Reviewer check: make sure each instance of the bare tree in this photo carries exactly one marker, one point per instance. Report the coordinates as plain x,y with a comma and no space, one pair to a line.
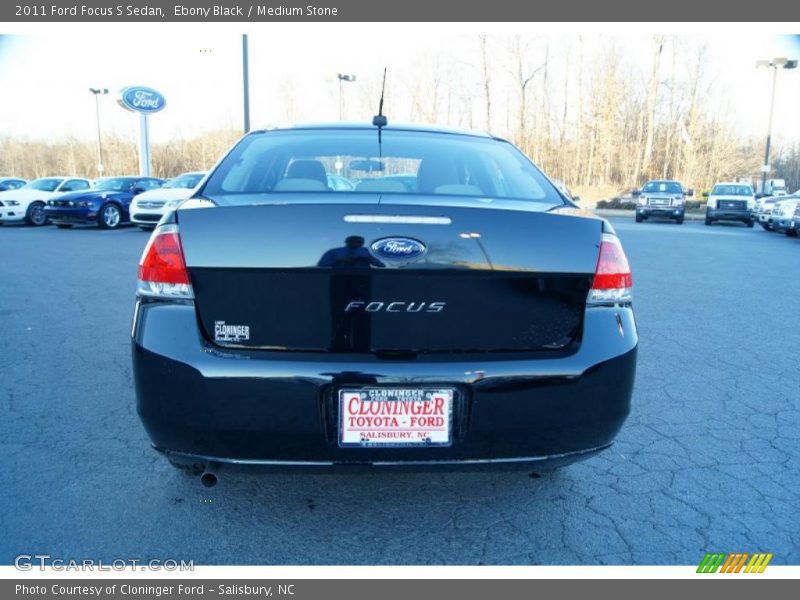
487,79
652,91
524,74
617,123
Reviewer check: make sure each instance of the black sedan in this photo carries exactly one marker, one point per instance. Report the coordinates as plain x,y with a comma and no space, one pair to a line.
106,204
480,320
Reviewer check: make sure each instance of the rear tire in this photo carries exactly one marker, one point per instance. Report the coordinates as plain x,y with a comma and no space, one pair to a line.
750,223
110,216
791,232
639,218
35,214
708,220
679,221
64,225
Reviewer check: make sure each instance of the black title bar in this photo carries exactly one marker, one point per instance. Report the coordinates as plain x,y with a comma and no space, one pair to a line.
406,10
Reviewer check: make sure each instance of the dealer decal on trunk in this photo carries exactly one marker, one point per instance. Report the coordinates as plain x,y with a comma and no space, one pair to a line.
231,333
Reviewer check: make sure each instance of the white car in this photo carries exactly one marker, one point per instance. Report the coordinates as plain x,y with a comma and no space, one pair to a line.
148,207
27,203
11,183
730,201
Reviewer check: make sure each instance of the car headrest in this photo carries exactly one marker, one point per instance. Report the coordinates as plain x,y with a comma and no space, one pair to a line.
435,172
307,169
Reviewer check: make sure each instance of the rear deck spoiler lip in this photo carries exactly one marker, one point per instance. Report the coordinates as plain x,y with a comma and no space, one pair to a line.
441,201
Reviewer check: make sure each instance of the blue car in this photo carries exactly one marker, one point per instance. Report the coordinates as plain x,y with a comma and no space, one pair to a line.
106,203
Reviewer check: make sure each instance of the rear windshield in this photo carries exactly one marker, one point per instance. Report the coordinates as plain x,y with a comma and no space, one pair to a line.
353,161
663,187
732,190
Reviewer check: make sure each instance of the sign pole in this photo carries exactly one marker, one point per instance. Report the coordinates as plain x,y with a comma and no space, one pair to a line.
246,83
145,101
144,145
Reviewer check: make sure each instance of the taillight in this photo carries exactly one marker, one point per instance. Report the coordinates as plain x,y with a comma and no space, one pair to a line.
162,270
613,281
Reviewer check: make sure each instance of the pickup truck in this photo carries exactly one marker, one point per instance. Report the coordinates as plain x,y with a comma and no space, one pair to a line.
729,201
661,198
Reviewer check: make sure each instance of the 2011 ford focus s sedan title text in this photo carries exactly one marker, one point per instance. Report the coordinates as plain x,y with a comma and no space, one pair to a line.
452,309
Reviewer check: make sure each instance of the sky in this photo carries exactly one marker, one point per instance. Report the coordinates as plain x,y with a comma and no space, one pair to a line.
45,73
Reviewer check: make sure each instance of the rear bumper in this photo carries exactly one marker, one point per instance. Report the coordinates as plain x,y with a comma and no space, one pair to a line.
716,214
201,404
524,463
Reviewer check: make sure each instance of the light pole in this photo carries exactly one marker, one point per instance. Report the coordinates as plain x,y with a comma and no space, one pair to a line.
774,64
97,92
474,235
342,78
246,82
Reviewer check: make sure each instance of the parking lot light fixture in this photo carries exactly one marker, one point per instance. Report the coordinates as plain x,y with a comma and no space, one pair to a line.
780,62
97,92
342,77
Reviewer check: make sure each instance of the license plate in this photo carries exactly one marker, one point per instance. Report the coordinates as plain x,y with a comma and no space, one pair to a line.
395,417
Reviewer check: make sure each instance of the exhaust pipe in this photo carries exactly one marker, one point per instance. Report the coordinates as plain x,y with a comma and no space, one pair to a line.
209,477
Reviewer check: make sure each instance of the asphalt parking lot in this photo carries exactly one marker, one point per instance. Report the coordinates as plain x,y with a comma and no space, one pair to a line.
708,461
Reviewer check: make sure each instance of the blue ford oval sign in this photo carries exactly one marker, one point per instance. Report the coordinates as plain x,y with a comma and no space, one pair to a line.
141,99
398,248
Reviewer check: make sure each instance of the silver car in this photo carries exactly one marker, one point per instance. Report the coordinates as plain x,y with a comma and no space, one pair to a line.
783,213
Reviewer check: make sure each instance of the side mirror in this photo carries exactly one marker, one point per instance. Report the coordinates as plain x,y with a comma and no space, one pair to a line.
705,194
690,192
137,190
636,193
576,198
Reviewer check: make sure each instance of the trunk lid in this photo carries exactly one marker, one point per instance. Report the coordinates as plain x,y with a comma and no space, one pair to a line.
283,277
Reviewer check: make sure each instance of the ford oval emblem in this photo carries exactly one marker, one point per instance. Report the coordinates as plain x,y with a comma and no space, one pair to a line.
141,99
398,248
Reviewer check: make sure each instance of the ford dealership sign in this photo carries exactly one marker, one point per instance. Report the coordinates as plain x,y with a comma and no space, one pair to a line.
141,99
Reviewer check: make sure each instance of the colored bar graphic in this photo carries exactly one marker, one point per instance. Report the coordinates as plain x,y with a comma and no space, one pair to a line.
710,562
734,562
758,563
740,564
